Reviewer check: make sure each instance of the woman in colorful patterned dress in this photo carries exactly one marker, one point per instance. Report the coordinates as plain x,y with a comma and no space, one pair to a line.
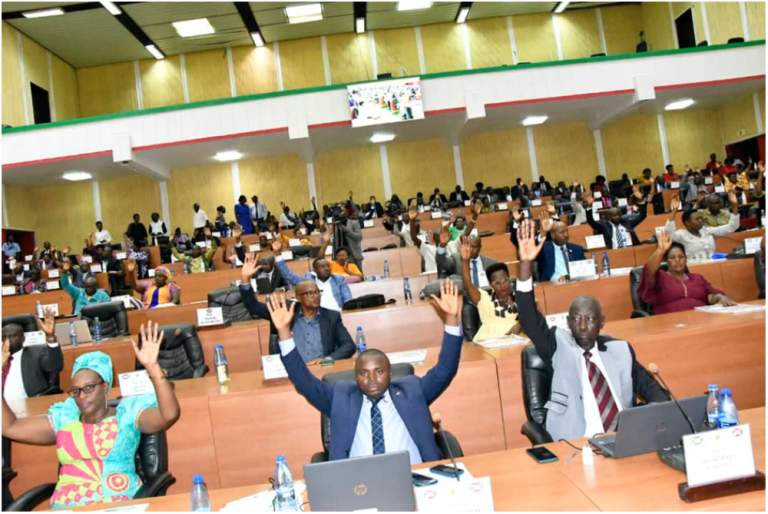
96,443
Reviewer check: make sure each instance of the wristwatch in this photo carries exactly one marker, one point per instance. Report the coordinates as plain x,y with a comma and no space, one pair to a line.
164,376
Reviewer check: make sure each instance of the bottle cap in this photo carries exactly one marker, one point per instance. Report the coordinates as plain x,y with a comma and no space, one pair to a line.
198,479
359,328
219,346
280,458
713,387
405,278
725,392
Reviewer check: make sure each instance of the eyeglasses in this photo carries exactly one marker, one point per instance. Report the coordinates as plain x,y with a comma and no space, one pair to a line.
87,389
500,283
312,293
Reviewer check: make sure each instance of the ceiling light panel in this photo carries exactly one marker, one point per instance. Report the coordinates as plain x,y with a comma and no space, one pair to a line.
191,28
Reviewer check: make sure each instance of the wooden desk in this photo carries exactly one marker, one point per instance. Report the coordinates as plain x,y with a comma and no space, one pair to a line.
392,287
25,304
729,243
612,293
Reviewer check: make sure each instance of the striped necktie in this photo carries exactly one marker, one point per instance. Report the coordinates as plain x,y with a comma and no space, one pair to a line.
475,275
377,428
606,404
620,238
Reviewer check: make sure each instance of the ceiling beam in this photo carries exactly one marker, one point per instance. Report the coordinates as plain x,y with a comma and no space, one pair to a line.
249,20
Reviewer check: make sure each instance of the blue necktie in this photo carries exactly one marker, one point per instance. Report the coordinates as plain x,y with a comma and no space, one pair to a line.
377,428
475,276
620,237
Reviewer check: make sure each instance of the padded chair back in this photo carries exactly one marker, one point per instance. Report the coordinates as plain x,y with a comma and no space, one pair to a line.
398,371
112,317
231,303
152,456
470,319
634,282
26,321
735,40
536,385
180,352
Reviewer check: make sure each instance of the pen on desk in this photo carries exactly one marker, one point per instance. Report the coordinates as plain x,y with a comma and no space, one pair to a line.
576,452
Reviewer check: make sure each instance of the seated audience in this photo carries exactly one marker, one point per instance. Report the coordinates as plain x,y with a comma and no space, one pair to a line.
479,192
373,209
557,254
449,263
646,178
88,294
459,195
157,228
136,230
402,228
697,239
341,265
180,241
520,192
90,435
544,186
427,248
670,175
617,232
561,192
490,195
287,218
677,289
692,190
34,283
485,206
437,200
198,262
161,292
395,205
713,215
713,163
47,261
114,269
102,237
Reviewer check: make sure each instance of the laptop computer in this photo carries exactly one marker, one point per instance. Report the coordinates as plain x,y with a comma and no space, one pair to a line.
380,482
651,427
83,332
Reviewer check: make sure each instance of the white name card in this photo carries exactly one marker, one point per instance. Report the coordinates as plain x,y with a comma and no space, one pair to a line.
426,208
559,320
121,255
96,268
28,258
527,214
752,245
597,205
535,203
719,188
201,244
52,286
708,181
436,215
582,269
54,273
411,356
328,250
151,273
86,258
210,316
272,366
329,220
174,259
622,202
294,242
288,256
467,203
503,206
718,455
255,247
11,263
126,299
674,185
135,383
303,231
53,306
216,234
25,267
9,290
473,495
509,198
368,224
34,338
597,195
595,242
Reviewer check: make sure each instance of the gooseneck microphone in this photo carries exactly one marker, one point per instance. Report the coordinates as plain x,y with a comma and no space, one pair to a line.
437,420
654,370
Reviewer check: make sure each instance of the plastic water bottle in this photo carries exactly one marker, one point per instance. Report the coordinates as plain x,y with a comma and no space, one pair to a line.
386,270
199,499
606,265
72,334
360,340
96,330
220,362
728,415
285,500
231,282
173,270
594,261
233,258
713,407
39,310
407,291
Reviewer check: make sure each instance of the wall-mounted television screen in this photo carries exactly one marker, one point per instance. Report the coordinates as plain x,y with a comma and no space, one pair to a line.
389,101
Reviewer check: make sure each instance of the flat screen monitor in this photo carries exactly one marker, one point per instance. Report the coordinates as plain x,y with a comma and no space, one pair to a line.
389,101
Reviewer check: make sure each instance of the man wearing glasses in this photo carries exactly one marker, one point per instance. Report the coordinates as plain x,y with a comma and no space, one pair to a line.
318,332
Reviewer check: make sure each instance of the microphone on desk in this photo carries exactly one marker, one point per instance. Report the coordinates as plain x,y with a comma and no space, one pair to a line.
654,370
437,420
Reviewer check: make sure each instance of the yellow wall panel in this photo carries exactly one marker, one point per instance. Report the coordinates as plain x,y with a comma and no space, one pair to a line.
496,158
337,172
124,196
535,38
396,52
724,21
267,179
421,166
207,75
161,82
254,70
679,8
565,151
630,145
489,42
761,97
65,90
35,69
657,26
579,34
107,89
698,23
756,20
691,137
349,57
209,185
621,25
20,206
13,103
737,120
64,214
301,61
443,45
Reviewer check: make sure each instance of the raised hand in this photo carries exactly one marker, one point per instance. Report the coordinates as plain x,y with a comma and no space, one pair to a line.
761,167
732,198
546,222
445,236
67,265
277,243
282,316
477,209
250,268
66,250
150,346
465,248
207,232
664,241
131,266
528,250
517,214
48,324
237,233
449,303
674,203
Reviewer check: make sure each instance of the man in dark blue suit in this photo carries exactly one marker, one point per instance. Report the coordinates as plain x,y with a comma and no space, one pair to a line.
377,415
557,254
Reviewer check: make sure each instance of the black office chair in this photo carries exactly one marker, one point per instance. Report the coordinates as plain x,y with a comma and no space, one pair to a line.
151,465
113,318
735,40
470,320
703,43
181,353
537,382
598,55
760,274
26,321
8,473
447,444
231,303
640,308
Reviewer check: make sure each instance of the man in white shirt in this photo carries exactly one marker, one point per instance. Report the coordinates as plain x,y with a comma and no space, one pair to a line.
259,212
157,227
200,217
102,237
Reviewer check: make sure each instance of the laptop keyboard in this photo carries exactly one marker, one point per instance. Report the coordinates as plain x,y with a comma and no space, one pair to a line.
611,447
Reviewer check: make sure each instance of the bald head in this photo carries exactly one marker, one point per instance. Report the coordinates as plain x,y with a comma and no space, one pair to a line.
559,233
14,334
308,295
268,263
90,285
585,320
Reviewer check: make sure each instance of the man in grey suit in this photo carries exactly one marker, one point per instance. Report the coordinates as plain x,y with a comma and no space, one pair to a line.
354,234
449,263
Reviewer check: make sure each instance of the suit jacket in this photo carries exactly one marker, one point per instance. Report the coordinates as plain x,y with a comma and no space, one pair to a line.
546,188
38,364
463,197
277,280
412,396
517,191
355,239
606,227
546,258
337,343
448,263
441,197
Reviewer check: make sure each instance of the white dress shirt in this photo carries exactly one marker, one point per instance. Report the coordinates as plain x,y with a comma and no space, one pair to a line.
103,237
327,300
591,411
615,237
14,383
200,218
285,221
561,267
158,228
482,280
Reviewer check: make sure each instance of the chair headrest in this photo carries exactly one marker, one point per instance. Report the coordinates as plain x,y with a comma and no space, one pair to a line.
105,310
171,340
26,321
230,295
398,371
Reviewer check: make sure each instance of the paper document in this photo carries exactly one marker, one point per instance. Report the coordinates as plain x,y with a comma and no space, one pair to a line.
503,342
741,308
412,356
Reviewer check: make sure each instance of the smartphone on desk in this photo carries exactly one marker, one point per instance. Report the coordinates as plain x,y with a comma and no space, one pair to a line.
447,471
422,480
541,455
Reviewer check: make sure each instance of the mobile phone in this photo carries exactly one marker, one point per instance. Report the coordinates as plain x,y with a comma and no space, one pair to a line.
447,471
541,455
421,480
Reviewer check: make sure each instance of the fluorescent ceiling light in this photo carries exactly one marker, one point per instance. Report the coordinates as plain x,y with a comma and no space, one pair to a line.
44,13
76,175
463,13
191,28
413,5
360,25
157,54
382,138
304,13
231,155
257,39
680,104
534,120
112,8
561,7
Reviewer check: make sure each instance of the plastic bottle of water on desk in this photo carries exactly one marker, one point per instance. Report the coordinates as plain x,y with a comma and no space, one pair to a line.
728,415
407,291
606,265
713,407
285,500
173,270
199,501
72,334
220,362
594,261
386,269
360,340
39,309
96,330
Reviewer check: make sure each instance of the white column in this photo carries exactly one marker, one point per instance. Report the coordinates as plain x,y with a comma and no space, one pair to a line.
512,43
457,166
278,68
231,68
184,87
52,98
703,7
374,59
600,155
5,209
96,200
467,50
672,21
137,78
758,113
558,42
235,167
601,30
326,61
532,154
311,181
663,139
24,87
420,49
164,205
744,24
385,171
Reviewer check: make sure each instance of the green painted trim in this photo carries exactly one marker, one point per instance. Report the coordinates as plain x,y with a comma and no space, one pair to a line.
276,94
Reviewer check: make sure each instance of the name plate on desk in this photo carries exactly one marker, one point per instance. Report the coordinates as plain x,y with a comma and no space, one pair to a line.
412,356
466,496
34,338
52,286
752,244
53,306
272,366
121,255
86,258
622,202
255,247
96,268
368,224
25,267
28,258
135,383
674,185
54,273
559,320
287,256
126,299
708,181
467,203
294,242
597,195
718,455
719,188
504,207
582,269
210,316
9,290
215,234
436,215
535,203
595,242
